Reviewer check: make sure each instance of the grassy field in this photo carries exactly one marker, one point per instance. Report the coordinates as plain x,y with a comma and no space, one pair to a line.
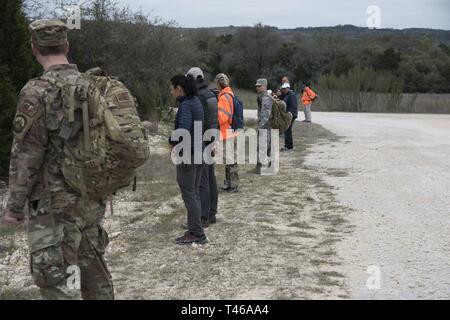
410,103
247,97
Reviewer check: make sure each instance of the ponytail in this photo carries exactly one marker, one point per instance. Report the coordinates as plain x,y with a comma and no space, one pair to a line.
188,84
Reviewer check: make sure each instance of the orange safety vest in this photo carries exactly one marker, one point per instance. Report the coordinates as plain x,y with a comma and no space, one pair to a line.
225,113
308,96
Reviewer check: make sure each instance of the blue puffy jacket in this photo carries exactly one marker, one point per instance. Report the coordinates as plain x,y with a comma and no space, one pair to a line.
190,110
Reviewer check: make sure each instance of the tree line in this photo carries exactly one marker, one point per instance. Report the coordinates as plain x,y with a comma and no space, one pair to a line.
144,52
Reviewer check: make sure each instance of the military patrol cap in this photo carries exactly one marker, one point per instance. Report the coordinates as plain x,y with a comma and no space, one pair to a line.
261,82
48,32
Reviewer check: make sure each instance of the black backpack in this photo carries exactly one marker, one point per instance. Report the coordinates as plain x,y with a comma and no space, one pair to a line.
204,100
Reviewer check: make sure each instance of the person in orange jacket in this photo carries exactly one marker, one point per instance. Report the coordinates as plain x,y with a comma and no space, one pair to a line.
308,97
225,117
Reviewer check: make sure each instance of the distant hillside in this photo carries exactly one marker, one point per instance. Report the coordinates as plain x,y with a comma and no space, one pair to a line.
346,30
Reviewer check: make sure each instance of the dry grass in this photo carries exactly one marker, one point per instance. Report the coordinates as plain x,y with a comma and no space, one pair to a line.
411,103
274,239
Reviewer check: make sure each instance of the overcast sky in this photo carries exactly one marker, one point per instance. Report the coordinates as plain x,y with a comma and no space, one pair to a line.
298,13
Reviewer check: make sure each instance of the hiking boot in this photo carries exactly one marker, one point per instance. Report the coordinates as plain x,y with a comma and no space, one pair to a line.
205,222
285,149
233,190
212,219
189,238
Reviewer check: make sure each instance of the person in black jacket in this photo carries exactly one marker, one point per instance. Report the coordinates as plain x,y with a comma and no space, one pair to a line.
290,98
189,171
208,185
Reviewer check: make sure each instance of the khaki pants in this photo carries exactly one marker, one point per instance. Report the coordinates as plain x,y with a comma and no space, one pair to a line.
307,111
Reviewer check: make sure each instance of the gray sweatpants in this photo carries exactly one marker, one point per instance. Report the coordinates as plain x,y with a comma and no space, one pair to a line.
307,111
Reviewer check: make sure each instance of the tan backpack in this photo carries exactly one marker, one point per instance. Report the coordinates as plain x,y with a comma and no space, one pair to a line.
280,118
104,139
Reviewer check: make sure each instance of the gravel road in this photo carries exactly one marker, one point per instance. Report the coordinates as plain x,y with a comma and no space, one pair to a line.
398,184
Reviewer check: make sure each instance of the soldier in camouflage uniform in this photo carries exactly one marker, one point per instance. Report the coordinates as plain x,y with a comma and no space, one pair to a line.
66,240
265,104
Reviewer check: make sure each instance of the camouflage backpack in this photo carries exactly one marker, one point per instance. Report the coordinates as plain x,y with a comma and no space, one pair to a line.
280,118
104,139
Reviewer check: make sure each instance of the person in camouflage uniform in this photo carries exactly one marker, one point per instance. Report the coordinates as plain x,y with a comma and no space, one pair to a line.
66,240
265,104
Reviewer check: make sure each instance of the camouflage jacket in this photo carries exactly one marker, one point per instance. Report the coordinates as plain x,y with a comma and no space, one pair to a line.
35,170
264,110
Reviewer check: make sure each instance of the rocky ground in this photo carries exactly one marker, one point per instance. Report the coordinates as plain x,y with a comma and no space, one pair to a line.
275,239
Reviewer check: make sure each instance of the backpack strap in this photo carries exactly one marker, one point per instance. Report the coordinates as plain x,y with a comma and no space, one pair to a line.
230,115
82,90
206,122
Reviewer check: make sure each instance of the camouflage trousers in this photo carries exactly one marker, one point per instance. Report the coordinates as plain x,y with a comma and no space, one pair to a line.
307,111
67,247
264,150
231,167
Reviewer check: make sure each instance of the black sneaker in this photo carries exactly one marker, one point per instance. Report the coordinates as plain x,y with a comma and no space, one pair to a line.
205,222
212,219
189,238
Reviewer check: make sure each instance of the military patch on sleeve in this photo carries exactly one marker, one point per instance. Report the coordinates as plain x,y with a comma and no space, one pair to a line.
28,110
20,122
26,115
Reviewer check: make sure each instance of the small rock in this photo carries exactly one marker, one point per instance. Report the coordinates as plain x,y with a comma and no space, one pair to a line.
114,235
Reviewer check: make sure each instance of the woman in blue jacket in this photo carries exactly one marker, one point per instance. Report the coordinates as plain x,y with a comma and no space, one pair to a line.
189,117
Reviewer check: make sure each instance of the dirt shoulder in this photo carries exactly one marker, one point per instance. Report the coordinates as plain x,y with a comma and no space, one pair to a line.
275,239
